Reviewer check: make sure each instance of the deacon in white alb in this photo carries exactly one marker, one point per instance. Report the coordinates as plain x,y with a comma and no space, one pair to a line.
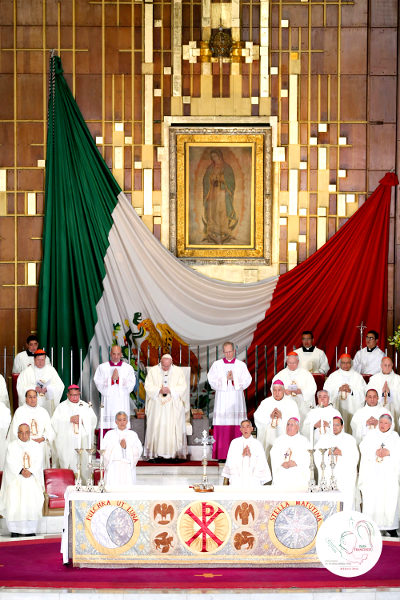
366,419
299,384
42,378
368,360
229,377
5,420
319,420
21,496
380,474
25,358
346,457
122,452
311,358
73,422
387,384
166,408
290,460
272,415
115,380
246,464
39,423
346,389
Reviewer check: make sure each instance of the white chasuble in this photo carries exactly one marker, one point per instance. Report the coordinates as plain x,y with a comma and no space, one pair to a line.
286,448
39,423
46,377
165,415
246,471
115,395
305,382
120,463
346,402
267,429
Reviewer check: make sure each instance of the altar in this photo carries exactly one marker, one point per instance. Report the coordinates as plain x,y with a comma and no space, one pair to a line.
158,526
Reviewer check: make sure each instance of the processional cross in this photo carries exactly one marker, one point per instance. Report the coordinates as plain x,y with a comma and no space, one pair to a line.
361,327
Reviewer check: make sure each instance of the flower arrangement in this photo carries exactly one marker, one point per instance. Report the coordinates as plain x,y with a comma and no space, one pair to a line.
395,340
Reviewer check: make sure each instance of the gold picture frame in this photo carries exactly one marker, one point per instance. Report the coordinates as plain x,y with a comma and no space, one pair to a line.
220,196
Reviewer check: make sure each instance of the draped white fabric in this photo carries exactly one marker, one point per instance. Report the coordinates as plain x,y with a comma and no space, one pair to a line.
142,276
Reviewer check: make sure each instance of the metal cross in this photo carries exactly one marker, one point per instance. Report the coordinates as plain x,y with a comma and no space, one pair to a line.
361,327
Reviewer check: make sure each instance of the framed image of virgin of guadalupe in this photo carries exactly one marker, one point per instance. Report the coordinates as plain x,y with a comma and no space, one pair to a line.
220,195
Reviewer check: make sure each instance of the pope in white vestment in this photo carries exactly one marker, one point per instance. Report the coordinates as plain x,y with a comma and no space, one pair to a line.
346,389
368,360
122,452
311,358
320,419
387,384
246,464
272,415
166,407
5,420
290,460
42,378
21,496
380,474
229,377
346,457
366,419
299,384
115,380
39,422
73,422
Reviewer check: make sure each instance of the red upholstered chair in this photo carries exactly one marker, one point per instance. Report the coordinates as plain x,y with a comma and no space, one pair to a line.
319,380
56,482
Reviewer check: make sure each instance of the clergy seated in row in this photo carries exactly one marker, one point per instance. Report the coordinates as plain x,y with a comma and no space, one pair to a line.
387,384
246,464
21,495
73,423
344,449
39,423
368,360
165,387
229,377
272,415
122,452
346,388
290,460
5,420
379,475
311,358
319,420
44,379
25,358
366,418
115,380
299,384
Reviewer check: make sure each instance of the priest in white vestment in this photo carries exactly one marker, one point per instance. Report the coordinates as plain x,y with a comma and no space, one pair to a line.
4,399
115,380
366,419
25,358
246,465
368,360
347,389
39,422
290,460
122,452
346,456
73,422
229,377
320,419
299,384
42,378
5,420
311,358
21,496
166,406
387,384
380,475
272,415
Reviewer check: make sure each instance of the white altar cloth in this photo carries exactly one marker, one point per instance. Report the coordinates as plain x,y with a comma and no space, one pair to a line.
159,526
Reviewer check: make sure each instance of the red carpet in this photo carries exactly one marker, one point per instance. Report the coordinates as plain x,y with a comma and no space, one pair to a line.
38,564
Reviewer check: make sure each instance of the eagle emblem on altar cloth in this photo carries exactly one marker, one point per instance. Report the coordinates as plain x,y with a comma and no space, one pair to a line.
163,513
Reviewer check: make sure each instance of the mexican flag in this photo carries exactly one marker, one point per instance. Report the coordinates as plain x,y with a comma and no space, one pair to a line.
105,278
